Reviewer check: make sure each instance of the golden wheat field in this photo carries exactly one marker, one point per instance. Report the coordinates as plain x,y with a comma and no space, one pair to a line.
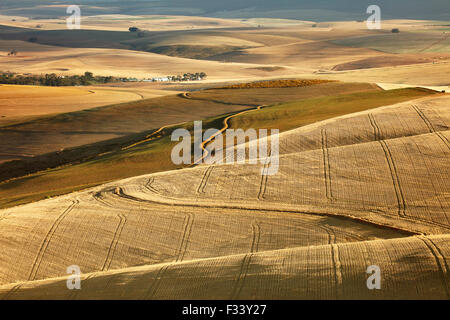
20,103
369,188
349,200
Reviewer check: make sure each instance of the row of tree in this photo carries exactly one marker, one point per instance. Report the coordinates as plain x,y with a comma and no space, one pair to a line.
54,80
188,77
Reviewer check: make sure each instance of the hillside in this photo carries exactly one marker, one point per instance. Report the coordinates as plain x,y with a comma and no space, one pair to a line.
342,200
322,10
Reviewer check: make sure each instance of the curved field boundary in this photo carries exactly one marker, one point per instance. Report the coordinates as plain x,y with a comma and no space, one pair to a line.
44,245
114,242
148,138
226,125
187,95
331,233
275,207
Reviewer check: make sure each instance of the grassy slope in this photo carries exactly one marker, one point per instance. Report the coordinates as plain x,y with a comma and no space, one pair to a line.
154,156
299,113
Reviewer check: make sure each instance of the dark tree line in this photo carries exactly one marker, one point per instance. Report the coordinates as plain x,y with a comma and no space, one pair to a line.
188,77
55,80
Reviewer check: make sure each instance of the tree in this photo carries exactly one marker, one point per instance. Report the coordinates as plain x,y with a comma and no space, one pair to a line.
89,75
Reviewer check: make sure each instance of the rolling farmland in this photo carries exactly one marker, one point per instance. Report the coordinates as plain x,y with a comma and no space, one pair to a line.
356,180
342,200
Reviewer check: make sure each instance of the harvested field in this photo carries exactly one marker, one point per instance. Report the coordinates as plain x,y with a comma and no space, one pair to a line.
379,198
86,166
77,128
298,273
23,103
357,178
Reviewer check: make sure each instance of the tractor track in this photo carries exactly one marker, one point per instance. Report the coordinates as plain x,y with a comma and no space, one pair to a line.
153,289
187,230
337,270
327,166
113,246
245,265
225,207
45,243
430,126
440,262
401,203
205,178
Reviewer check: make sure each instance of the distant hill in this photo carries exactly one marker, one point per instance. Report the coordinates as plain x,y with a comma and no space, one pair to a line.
317,10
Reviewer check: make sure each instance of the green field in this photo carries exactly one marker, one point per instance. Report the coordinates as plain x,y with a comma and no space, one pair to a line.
154,155
296,114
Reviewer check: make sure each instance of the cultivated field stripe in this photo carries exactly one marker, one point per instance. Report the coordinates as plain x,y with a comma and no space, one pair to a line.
44,245
151,292
114,242
376,128
440,262
330,232
337,270
186,203
245,265
431,127
392,167
326,165
395,179
187,230
263,182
